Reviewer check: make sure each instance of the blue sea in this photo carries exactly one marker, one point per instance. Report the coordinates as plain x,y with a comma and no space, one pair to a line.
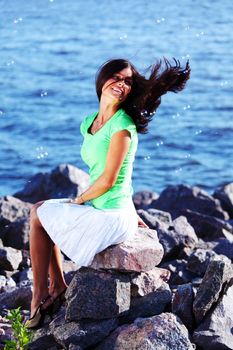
50,52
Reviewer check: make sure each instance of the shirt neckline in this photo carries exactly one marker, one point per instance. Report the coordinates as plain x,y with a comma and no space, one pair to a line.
93,118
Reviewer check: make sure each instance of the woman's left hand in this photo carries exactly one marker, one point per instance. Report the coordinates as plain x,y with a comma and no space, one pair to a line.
141,223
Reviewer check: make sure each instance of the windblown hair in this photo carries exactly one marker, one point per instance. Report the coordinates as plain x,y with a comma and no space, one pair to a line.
145,95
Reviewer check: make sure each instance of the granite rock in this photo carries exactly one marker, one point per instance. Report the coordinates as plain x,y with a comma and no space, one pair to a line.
164,331
215,332
143,199
208,227
141,253
10,258
225,195
217,273
97,295
175,198
182,304
176,237
148,282
64,181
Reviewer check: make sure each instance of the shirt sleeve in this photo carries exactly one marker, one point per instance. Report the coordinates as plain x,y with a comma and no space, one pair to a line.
125,124
83,126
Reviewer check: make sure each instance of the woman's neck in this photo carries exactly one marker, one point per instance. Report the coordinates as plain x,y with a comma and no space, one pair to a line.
107,110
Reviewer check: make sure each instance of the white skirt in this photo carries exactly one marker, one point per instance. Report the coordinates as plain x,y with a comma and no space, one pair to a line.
82,231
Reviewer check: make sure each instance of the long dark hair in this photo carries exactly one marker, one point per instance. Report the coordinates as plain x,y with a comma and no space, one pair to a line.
145,95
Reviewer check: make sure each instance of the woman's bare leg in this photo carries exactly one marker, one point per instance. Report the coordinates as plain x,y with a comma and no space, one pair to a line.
40,251
57,280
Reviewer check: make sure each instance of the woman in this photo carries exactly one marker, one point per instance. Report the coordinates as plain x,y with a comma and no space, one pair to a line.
127,101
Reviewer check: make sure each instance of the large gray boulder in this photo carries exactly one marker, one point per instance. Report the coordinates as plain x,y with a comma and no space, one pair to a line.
14,222
182,305
154,217
141,253
225,195
175,198
10,258
217,273
178,235
64,181
208,227
148,282
199,260
17,297
148,305
144,199
97,295
215,332
164,331
78,335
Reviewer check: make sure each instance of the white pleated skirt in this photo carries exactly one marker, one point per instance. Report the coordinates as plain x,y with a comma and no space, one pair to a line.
82,231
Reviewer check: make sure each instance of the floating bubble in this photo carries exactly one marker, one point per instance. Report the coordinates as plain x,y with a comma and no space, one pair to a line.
43,93
159,20
186,56
200,34
10,63
41,153
144,112
18,20
187,155
1,112
198,132
223,83
147,158
186,107
178,170
123,37
187,28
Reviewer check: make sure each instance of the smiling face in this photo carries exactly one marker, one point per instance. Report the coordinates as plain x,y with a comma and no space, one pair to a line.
119,85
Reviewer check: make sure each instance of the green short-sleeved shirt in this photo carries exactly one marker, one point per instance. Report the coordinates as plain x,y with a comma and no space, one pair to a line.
94,152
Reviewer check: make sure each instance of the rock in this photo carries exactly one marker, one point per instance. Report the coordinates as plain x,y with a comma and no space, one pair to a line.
17,234
182,305
148,305
84,333
14,216
153,217
176,237
163,331
217,273
10,258
18,297
141,253
208,227
199,260
143,199
148,282
43,339
175,198
64,181
97,295
179,274
223,246
215,332
225,195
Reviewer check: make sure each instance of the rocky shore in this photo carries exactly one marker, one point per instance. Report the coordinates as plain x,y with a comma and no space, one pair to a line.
170,288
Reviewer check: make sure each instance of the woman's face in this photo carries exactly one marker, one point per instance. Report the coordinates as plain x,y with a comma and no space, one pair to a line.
119,85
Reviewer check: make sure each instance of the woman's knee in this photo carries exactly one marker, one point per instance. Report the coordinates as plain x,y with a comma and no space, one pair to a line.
33,212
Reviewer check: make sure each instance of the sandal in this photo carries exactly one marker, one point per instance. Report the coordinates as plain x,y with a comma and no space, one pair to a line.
37,319
58,301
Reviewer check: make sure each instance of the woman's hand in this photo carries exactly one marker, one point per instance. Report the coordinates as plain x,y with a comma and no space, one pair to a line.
141,223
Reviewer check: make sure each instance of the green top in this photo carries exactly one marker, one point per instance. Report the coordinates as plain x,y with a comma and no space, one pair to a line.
94,152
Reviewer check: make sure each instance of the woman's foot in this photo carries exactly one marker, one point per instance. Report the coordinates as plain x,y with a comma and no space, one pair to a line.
58,295
38,314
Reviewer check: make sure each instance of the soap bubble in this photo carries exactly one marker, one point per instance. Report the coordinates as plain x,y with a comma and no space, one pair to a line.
147,158
198,132
43,93
123,37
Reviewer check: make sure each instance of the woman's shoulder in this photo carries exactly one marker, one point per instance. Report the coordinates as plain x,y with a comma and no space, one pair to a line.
125,118
86,122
